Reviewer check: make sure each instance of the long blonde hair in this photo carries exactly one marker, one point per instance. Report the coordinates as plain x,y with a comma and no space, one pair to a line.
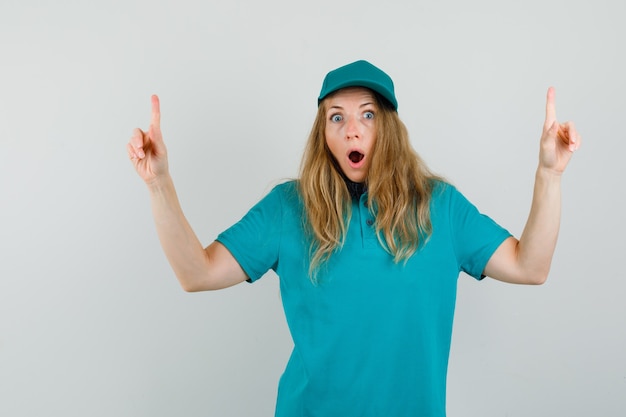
399,187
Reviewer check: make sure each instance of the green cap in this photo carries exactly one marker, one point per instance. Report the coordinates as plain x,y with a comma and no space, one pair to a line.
359,74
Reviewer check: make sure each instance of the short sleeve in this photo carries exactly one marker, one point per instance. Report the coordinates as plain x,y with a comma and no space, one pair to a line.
254,240
475,236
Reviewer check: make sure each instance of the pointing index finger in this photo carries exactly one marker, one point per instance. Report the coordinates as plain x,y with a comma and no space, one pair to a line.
155,121
550,107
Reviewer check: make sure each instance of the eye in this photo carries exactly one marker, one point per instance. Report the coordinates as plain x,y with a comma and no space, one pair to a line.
368,115
336,118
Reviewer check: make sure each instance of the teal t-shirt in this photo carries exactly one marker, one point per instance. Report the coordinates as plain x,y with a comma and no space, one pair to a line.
372,337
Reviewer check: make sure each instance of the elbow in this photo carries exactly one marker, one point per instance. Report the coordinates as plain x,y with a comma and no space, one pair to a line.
536,278
189,288
197,283
188,284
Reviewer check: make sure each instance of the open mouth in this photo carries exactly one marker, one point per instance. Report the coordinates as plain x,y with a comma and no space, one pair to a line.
356,156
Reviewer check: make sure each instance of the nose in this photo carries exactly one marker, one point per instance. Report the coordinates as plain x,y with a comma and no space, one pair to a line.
352,128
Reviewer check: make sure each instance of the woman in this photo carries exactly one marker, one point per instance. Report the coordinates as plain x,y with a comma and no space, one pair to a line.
368,245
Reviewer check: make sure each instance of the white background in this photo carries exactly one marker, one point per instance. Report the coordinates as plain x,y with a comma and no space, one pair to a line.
92,320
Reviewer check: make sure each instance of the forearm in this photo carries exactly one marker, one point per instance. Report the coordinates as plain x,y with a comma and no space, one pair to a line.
538,240
184,251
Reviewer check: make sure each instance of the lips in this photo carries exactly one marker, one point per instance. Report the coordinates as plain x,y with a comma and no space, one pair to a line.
354,164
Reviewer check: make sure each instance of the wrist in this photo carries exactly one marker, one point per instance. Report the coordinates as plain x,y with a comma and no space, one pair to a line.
548,174
160,183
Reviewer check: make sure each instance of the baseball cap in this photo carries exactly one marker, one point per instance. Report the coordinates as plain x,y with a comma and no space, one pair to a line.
359,74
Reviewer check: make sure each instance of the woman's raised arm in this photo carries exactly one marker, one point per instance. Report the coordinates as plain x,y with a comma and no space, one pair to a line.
196,268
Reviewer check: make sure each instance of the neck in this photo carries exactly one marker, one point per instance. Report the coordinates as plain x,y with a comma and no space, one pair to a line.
356,189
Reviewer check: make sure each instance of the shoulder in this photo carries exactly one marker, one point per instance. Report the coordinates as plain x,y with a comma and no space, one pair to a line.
447,198
286,191
285,194
442,191
287,187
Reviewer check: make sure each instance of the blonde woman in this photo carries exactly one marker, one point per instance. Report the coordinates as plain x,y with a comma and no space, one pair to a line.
368,245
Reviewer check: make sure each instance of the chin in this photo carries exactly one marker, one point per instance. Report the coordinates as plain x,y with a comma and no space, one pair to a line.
356,178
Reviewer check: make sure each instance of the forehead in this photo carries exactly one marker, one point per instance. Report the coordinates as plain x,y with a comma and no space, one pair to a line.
356,95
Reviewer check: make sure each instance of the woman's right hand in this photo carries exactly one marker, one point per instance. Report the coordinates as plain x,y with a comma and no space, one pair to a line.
147,151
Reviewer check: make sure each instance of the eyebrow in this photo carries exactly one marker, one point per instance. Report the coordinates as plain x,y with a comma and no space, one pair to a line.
369,103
